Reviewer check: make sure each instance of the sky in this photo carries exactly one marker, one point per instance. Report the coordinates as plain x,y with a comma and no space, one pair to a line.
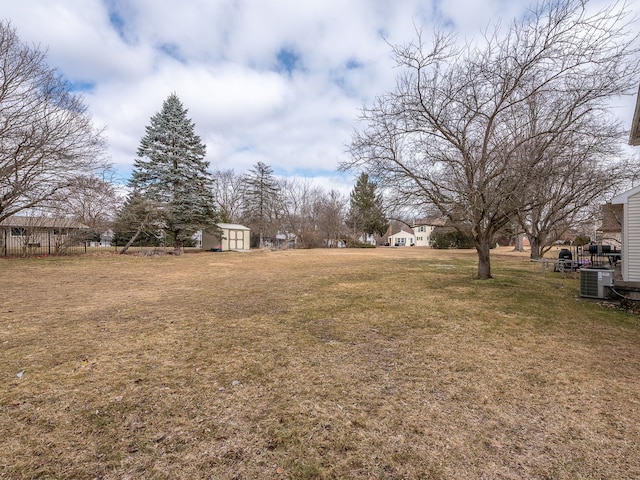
273,81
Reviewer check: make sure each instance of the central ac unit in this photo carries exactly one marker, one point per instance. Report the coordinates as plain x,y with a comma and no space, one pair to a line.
593,282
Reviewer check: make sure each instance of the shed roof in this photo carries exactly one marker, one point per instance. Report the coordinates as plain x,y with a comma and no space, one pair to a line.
232,226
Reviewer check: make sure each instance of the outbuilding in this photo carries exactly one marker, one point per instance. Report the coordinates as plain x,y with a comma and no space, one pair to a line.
232,237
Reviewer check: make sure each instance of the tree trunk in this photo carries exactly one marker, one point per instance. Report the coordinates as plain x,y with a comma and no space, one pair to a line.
536,249
133,239
519,246
483,247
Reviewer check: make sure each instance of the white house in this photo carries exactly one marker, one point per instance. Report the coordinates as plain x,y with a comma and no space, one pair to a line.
402,239
630,202
422,232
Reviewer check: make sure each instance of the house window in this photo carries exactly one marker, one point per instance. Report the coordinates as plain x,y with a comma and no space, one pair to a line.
19,232
60,231
422,229
400,241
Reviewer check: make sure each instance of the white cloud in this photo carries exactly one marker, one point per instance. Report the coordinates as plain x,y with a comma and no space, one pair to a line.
220,57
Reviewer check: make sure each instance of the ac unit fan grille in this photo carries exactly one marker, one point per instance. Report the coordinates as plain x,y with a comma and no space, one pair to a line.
589,283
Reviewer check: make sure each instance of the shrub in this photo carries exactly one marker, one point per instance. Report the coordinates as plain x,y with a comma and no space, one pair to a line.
450,239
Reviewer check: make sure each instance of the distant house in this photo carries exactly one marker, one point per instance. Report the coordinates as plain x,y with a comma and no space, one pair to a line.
232,237
422,229
610,229
32,235
367,238
402,239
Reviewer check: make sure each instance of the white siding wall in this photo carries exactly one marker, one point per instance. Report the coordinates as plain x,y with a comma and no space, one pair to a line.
423,235
403,239
632,239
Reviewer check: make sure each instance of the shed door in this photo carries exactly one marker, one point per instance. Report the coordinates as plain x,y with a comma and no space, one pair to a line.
236,240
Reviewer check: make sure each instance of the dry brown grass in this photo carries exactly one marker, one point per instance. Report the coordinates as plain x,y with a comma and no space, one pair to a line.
385,363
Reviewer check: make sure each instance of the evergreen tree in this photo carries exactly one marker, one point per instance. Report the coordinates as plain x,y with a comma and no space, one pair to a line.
366,215
171,172
261,194
138,222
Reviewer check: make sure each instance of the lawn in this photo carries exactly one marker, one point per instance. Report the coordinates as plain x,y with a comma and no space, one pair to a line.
321,364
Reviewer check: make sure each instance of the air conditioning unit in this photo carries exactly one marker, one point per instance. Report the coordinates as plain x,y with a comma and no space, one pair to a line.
593,282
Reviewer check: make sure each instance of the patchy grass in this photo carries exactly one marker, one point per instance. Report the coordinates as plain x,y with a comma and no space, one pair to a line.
385,363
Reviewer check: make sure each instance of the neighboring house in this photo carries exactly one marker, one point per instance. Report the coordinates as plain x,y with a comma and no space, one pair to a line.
402,239
610,229
233,237
106,238
422,233
26,235
423,229
367,238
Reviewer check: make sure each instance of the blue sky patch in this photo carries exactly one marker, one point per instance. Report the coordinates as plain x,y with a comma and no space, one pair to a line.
117,19
288,60
172,50
81,86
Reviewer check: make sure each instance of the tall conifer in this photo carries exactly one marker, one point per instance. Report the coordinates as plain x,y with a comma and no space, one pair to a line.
171,172
366,214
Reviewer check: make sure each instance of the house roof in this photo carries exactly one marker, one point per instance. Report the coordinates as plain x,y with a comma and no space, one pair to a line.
41,222
403,231
624,196
232,226
434,222
634,137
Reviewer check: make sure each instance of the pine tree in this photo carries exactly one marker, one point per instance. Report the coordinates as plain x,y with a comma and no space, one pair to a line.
366,214
171,172
261,193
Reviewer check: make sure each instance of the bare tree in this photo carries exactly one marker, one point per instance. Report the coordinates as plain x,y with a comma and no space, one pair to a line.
578,164
300,205
330,219
227,193
47,138
91,201
452,133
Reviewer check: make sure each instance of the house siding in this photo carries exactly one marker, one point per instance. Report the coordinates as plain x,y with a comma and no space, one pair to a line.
402,239
423,235
40,235
632,237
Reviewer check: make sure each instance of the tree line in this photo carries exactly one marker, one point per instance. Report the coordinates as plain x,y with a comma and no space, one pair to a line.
508,133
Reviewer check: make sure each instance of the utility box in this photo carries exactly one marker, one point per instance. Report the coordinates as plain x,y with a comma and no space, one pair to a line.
595,282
